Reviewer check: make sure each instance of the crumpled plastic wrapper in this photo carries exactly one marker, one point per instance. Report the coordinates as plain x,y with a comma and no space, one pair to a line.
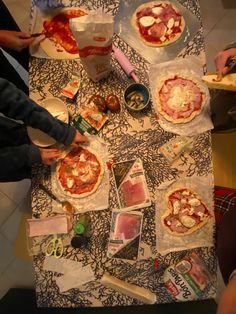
203,237
98,200
189,67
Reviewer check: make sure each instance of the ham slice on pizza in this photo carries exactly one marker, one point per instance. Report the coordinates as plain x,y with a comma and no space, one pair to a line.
179,98
186,212
80,173
158,23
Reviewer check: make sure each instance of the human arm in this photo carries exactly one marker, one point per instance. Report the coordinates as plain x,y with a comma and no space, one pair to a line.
222,57
15,104
15,40
227,303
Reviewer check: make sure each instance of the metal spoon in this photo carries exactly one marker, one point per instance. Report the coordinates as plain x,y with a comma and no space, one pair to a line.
66,206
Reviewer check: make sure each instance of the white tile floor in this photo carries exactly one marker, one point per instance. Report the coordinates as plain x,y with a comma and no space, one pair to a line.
219,19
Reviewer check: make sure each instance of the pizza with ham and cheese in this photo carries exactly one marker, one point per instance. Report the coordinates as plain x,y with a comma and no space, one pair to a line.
186,212
158,23
80,173
179,98
58,34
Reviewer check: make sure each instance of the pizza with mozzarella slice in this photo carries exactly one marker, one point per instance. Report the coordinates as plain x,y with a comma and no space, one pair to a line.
186,212
158,23
179,98
80,172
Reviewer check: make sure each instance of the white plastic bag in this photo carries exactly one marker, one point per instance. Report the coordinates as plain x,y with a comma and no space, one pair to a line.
93,34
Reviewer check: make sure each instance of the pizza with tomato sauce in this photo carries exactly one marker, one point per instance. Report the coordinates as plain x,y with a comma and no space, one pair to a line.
179,98
57,32
80,172
158,23
186,212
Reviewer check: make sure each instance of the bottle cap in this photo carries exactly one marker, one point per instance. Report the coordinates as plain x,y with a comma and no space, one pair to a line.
79,228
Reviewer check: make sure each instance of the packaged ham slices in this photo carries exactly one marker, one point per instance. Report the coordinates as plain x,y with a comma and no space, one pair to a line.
131,184
188,278
93,34
125,235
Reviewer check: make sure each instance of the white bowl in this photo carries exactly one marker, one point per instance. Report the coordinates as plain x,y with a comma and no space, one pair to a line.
58,109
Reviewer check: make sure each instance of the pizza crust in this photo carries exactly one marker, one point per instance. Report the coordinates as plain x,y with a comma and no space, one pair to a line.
159,105
170,211
99,180
148,5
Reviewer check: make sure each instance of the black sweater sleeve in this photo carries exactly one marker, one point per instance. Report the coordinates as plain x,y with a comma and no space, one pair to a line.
16,105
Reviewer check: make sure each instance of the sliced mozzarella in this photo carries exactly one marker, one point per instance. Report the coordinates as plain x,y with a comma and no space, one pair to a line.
185,193
168,223
188,221
194,202
157,10
88,174
82,158
178,224
176,207
69,182
191,210
147,21
158,20
202,216
169,31
183,201
162,38
171,23
176,23
75,172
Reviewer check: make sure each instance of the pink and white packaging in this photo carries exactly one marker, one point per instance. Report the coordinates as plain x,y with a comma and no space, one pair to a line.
50,225
93,34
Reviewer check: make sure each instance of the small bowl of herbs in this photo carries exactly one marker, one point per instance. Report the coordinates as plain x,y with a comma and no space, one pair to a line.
136,97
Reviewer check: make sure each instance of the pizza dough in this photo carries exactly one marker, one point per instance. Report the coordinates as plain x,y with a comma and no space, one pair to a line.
186,212
80,173
158,23
179,98
57,39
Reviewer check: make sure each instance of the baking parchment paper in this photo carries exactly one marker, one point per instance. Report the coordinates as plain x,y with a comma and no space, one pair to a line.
153,55
100,198
190,67
167,242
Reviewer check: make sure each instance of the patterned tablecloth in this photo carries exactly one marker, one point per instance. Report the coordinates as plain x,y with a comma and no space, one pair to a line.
131,137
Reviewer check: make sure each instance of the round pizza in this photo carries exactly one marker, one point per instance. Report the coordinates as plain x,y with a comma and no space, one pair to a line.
179,99
158,23
58,36
186,212
80,173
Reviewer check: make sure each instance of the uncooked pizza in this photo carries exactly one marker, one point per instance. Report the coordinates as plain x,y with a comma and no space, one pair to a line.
80,173
57,29
158,23
186,212
179,99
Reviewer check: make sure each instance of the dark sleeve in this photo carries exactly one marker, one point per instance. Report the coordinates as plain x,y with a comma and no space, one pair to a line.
15,158
16,105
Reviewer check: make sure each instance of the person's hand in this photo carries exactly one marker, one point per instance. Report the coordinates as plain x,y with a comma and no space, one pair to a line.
49,155
221,59
79,139
15,40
